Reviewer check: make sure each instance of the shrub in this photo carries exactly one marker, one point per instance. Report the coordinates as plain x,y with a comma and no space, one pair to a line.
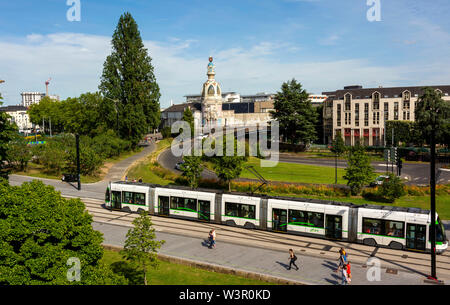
391,189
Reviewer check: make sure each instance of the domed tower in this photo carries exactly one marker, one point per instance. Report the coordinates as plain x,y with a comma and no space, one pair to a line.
211,99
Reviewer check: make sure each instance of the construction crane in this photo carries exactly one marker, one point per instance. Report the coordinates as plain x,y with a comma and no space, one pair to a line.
46,86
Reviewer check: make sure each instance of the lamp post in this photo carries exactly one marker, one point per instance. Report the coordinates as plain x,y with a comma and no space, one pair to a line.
433,193
77,140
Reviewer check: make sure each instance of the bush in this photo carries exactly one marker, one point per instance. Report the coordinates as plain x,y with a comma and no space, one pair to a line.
391,189
166,132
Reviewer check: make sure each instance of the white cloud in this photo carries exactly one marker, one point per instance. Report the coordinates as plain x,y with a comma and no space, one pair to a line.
75,62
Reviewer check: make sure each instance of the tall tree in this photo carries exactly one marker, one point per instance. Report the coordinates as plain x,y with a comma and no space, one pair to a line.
8,131
359,171
338,145
296,115
433,112
140,246
129,79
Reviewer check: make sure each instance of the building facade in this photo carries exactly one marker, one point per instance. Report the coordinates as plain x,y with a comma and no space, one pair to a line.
360,114
30,98
19,116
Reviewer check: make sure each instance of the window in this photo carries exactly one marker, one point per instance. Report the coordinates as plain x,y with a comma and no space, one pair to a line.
366,114
357,114
386,111
376,101
383,227
134,198
396,111
339,115
179,203
394,228
211,90
311,219
297,217
240,210
127,197
348,99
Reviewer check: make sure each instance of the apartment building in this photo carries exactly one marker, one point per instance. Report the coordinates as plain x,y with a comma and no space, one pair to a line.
359,113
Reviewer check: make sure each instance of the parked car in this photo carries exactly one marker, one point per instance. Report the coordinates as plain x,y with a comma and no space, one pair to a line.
379,180
69,177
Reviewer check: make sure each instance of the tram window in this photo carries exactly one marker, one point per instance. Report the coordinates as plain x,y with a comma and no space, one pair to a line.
183,203
127,197
191,204
176,203
316,219
240,210
297,216
372,226
139,198
394,228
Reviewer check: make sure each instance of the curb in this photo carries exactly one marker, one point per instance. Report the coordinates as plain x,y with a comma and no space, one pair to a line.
218,269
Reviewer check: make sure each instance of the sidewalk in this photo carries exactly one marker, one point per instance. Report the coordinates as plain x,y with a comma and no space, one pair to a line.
313,270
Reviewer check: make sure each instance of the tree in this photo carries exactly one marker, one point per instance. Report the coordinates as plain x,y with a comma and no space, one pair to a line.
19,153
392,188
296,116
189,118
192,169
128,78
359,171
8,132
40,231
140,246
432,112
338,146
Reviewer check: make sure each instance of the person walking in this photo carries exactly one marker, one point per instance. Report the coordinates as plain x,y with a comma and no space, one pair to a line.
212,236
349,272
292,259
344,279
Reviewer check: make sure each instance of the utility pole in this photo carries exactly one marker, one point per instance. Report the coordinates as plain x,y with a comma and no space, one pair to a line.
77,139
433,198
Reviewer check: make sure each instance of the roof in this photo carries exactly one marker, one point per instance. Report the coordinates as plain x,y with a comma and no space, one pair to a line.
357,92
182,107
13,108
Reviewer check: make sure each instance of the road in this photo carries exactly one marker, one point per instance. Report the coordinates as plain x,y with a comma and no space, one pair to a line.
266,252
416,173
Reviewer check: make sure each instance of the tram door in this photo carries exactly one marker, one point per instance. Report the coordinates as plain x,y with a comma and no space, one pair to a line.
333,227
279,220
203,210
164,205
415,236
116,200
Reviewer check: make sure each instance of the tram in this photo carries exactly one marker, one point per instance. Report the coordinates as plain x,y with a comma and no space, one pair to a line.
385,226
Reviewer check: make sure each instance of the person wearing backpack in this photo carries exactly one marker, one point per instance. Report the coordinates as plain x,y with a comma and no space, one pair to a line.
292,258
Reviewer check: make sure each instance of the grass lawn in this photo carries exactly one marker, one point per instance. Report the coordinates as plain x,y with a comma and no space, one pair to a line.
143,170
175,274
291,172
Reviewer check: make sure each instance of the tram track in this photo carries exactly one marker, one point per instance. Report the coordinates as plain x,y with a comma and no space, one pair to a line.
404,260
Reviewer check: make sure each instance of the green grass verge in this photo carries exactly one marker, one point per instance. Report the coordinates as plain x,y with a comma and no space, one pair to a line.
297,173
176,274
147,170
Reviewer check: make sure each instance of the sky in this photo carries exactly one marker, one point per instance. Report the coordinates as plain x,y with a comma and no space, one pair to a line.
256,44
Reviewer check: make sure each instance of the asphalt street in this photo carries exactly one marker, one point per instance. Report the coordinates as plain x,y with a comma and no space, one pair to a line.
416,173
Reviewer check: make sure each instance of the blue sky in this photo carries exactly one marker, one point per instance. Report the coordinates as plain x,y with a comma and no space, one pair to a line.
256,44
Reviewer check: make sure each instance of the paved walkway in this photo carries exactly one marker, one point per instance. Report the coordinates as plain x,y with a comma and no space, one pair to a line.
313,270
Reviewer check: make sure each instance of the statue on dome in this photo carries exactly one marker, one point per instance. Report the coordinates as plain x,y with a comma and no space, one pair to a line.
210,65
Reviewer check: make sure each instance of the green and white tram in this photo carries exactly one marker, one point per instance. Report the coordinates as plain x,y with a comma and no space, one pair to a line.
385,226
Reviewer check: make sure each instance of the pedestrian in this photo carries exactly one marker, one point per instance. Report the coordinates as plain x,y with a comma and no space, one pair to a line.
349,272
344,280
342,259
292,259
213,238
126,178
